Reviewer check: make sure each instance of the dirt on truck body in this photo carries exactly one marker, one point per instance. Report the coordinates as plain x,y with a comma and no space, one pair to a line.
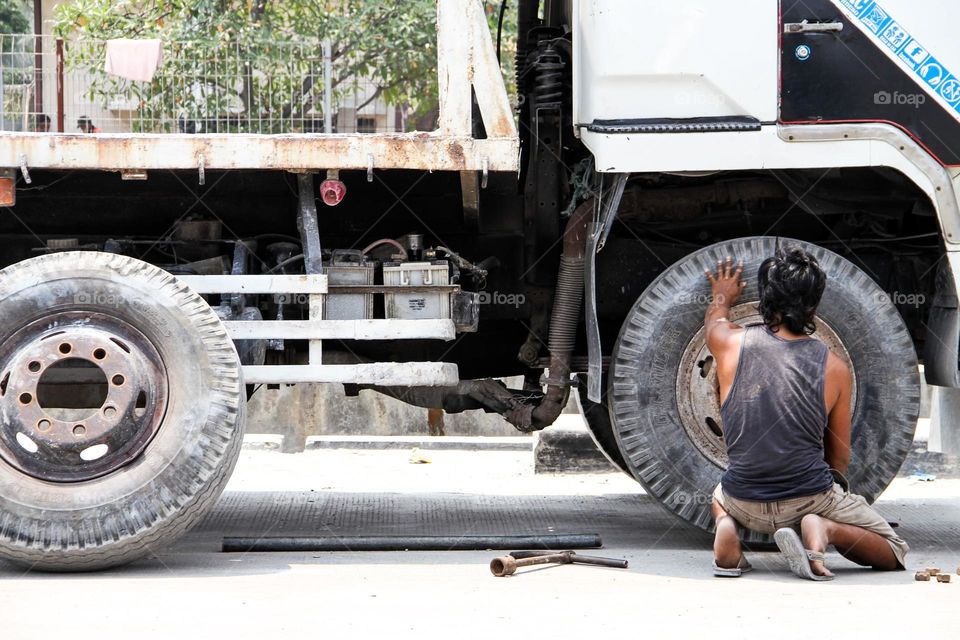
153,281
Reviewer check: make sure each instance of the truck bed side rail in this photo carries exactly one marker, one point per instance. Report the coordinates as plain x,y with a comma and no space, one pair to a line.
171,128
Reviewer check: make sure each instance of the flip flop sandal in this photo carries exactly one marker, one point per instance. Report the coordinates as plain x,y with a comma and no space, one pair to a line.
735,572
799,558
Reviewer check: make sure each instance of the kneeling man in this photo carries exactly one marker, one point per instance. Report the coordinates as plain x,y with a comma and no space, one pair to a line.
785,405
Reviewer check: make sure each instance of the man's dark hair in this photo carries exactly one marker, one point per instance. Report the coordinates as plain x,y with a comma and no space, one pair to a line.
791,284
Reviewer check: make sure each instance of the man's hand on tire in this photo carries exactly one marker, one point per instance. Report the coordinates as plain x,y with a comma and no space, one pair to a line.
726,284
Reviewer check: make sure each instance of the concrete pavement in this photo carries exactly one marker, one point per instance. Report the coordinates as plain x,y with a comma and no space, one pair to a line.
192,590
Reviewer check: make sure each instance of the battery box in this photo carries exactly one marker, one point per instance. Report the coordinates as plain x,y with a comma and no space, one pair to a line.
417,306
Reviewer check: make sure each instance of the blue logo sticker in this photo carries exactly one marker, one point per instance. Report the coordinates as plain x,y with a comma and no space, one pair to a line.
803,53
950,90
875,18
916,56
894,36
857,6
932,72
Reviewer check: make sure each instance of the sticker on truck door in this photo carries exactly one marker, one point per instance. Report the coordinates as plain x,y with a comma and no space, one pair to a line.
875,68
907,49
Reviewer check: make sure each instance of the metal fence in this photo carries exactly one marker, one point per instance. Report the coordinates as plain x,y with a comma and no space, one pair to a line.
60,85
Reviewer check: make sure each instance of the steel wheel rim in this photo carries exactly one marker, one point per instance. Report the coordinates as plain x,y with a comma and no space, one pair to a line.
44,443
698,392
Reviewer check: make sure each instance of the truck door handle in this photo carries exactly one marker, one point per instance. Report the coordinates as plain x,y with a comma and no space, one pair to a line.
812,27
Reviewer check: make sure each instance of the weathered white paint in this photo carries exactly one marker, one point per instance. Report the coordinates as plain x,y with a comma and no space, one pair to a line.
764,149
912,159
315,314
303,152
466,58
488,78
454,49
257,284
342,330
400,374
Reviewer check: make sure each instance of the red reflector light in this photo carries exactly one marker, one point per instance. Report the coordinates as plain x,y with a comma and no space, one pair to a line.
8,192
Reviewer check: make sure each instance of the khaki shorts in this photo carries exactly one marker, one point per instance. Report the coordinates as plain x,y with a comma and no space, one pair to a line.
833,504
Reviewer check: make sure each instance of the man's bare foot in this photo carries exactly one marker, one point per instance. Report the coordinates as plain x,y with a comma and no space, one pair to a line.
726,546
814,531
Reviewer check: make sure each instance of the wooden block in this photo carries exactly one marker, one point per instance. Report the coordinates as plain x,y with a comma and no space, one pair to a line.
932,570
943,577
921,576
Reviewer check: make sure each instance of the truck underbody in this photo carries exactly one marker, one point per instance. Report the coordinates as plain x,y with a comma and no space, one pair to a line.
874,217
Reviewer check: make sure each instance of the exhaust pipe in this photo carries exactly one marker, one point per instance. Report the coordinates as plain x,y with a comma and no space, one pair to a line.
564,320
527,414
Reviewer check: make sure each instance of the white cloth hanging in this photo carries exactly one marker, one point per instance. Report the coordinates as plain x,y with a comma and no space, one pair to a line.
134,59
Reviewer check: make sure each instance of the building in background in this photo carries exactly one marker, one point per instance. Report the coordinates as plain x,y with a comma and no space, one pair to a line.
60,82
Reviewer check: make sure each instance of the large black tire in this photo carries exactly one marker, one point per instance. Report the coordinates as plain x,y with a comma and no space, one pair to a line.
89,517
599,425
669,452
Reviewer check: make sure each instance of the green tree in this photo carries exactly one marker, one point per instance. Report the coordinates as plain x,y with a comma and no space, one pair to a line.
13,16
508,39
16,63
261,58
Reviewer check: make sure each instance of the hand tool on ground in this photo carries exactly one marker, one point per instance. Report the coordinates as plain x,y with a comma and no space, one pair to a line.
508,565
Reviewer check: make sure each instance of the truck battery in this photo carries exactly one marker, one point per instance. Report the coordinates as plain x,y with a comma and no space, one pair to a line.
417,306
347,267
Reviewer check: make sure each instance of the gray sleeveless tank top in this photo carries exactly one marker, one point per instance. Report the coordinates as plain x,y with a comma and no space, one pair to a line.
774,419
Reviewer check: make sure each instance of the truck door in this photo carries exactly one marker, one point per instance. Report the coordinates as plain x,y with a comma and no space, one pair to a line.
887,61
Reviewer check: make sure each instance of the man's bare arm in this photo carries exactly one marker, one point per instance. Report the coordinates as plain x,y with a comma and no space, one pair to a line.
836,441
726,286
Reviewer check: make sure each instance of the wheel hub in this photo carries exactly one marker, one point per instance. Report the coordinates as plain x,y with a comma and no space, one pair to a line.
698,390
81,395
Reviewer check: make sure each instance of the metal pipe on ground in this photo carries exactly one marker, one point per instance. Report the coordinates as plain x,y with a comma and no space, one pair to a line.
411,543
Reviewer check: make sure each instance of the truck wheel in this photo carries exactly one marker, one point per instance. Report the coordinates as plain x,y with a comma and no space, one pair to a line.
597,417
663,386
121,410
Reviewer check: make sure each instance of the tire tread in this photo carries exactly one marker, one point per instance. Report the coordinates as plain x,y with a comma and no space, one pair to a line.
122,537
